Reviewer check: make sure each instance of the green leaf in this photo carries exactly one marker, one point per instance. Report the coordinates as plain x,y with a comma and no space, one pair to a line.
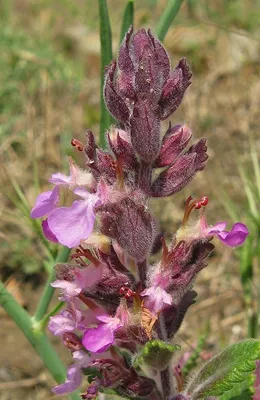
128,19
168,16
106,57
232,366
156,354
241,391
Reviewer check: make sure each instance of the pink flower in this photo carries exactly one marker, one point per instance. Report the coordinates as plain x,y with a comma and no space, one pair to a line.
235,237
69,289
74,377
99,339
156,299
84,278
66,321
46,202
67,225
72,224
156,296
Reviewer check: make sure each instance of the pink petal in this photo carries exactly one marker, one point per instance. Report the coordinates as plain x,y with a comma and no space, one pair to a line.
156,300
72,224
218,227
236,236
89,276
70,289
72,382
47,232
46,202
98,339
59,179
61,323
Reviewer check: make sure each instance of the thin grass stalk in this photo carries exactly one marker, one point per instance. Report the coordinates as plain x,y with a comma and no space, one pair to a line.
128,19
48,289
167,18
106,57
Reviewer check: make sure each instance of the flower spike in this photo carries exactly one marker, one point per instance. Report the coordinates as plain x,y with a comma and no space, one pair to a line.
120,310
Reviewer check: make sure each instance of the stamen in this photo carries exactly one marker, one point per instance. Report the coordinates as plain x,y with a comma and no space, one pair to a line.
126,292
193,204
76,143
81,252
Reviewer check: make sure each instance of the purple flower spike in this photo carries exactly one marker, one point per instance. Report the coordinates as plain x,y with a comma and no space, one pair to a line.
233,238
98,340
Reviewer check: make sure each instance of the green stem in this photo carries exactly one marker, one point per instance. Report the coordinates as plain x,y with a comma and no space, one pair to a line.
168,16
128,19
48,289
39,341
106,57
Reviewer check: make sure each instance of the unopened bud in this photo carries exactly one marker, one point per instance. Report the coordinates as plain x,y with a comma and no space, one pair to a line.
72,341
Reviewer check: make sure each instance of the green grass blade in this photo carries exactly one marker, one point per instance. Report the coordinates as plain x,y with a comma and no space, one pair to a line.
168,16
249,193
229,205
106,57
128,18
256,166
49,290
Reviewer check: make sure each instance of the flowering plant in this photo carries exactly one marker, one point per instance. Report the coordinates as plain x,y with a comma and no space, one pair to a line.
123,312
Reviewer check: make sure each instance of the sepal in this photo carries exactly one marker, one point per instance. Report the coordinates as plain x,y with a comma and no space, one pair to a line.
130,225
156,354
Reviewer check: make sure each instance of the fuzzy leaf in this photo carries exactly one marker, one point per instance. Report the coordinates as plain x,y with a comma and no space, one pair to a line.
233,365
241,391
156,354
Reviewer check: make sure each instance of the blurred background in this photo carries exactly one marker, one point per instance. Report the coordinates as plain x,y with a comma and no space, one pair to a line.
49,93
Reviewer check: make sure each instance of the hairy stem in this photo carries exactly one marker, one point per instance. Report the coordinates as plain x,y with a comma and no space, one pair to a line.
145,177
142,268
167,381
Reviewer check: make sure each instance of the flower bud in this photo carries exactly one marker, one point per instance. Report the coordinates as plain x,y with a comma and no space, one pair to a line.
72,341
114,102
142,386
180,173
145,131
174,89
173,143
122,148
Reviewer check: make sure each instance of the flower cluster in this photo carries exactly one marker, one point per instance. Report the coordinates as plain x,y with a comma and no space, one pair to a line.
117,303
